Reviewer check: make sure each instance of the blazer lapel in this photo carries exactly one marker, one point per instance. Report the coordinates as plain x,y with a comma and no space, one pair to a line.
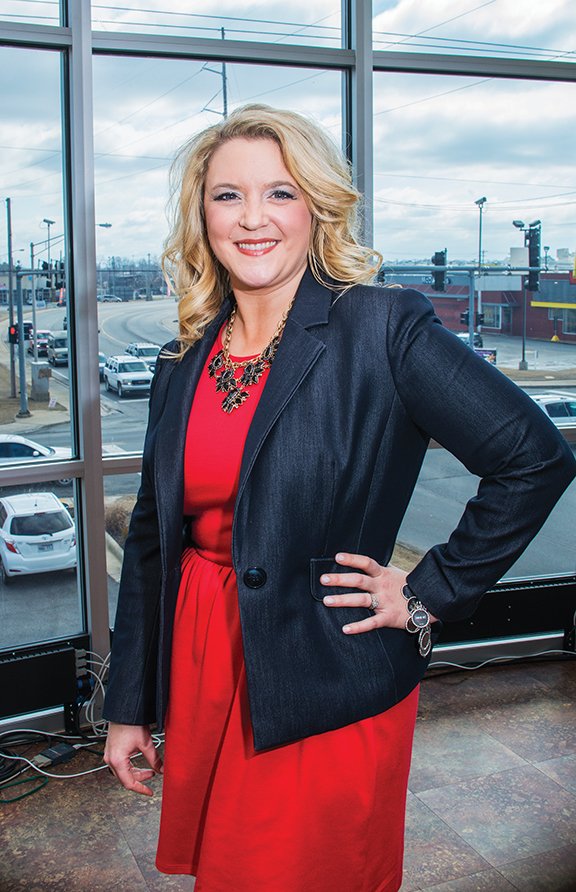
297,353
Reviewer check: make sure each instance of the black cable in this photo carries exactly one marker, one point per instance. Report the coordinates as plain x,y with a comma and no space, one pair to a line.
7,768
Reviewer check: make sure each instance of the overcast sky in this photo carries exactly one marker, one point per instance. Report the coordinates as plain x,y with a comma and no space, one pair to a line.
440,142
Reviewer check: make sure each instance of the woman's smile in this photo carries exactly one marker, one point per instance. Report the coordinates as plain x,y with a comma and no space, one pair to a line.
256,249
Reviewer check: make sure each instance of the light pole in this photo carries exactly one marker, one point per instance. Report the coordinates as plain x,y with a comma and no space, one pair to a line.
480,202
522,365
101,226
48,223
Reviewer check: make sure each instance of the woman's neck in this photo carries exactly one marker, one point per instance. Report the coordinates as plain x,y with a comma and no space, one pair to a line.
256,321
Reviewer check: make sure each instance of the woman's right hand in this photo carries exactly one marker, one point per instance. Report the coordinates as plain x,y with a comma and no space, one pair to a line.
125,741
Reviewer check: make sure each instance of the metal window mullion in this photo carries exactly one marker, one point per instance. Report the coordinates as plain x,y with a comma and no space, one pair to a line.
84,314
358,108
41,36
127,43
473,66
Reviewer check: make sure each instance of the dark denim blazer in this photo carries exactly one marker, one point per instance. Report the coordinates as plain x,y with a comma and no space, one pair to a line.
361,381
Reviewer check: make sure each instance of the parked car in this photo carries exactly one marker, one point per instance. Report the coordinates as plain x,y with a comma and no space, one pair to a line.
101,364
477,338
57,350
41,341
14,448
125,374
560,407
109,299
146,351
37,535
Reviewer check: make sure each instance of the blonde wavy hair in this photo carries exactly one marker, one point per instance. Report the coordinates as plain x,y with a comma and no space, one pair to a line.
198,279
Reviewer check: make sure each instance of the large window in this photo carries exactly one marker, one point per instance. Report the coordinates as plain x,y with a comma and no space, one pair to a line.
298,22
462,123
163,103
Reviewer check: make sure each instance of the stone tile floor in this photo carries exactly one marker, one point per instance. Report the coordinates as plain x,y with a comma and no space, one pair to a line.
491,805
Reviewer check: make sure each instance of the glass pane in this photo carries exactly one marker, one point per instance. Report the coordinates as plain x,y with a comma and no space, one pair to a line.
31,12
460,167
39,595
119,499
444,486
299,22
522,30
35,418
161,103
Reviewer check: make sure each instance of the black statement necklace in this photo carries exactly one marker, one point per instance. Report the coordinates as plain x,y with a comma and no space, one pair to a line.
223,369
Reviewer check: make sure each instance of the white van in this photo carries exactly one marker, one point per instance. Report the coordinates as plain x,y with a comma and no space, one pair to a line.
57,350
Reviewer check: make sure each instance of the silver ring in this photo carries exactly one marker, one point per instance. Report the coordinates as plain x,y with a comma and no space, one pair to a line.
374,602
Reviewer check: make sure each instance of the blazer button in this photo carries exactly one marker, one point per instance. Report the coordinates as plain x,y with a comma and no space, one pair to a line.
255,577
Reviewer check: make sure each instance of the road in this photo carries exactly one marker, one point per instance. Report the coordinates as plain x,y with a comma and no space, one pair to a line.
444,485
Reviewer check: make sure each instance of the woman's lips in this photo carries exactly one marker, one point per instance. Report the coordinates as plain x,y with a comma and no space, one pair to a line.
256,249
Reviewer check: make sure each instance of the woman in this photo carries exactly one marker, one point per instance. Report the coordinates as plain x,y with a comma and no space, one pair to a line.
288,423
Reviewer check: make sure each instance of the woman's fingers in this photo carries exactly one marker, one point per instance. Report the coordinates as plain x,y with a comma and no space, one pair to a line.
380,589
361,562
132,778
123,743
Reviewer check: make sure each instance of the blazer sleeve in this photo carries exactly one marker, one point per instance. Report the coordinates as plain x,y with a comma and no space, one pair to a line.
497,432
131,691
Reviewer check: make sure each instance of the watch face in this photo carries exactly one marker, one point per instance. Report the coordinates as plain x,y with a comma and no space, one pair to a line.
420,618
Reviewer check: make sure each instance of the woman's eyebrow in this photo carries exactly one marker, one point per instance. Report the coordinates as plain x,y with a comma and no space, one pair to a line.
273,185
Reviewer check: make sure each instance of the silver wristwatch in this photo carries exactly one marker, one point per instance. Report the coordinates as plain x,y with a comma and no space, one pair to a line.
418,622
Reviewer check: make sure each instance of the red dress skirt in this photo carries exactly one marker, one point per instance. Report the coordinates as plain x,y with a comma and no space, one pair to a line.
325,813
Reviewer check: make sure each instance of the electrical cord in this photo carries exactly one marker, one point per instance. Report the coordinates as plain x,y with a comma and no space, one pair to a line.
500,659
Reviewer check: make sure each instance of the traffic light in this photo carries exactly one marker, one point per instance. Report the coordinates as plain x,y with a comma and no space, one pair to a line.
465,317
479,319
533,238
13,334
47,271
59,274
439,259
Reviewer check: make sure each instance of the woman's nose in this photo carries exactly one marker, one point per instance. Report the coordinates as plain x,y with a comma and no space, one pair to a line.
253,214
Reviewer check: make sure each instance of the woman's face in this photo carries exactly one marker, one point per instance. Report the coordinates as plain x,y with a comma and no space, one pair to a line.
257,221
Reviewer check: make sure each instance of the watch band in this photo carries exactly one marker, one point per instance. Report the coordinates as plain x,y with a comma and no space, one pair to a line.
418,621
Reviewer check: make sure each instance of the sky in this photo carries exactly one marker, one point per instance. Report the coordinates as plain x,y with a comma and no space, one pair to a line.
440,142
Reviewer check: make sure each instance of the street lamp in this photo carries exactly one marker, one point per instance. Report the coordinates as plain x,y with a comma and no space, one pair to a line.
522,365
480,202
48,223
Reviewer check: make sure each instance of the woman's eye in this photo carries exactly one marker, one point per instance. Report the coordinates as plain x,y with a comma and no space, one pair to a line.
282,194
225,196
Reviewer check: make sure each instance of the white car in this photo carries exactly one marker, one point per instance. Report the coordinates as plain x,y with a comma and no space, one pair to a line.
125,374
560,407
37,535
14,448
146,351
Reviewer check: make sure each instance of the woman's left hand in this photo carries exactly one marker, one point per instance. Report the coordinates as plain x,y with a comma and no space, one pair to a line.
372,581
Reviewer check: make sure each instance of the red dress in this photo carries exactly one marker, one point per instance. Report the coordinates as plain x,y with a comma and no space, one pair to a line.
325,813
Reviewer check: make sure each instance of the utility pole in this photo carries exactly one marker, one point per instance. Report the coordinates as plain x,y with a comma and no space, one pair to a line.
11,297
224,77
224,85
